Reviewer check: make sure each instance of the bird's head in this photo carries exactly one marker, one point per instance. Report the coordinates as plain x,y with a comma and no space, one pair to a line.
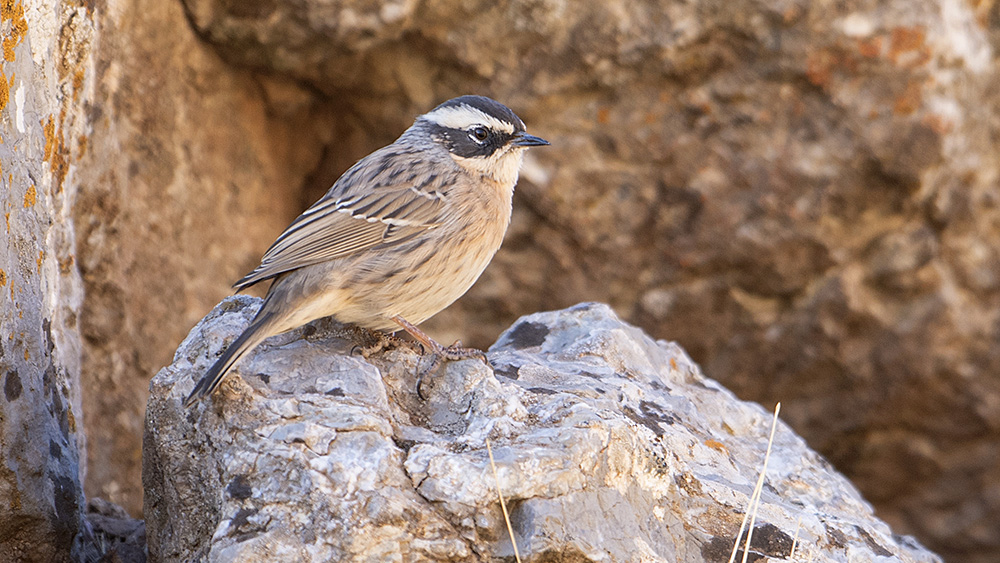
481,135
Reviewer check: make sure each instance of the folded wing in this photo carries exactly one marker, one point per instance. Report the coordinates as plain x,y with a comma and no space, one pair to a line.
347,221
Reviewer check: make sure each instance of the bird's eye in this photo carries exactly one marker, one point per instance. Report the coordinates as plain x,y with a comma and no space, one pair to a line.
480,133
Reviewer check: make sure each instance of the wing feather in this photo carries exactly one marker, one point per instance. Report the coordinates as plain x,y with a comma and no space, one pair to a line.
347,221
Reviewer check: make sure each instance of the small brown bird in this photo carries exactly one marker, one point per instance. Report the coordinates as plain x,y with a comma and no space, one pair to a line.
400,236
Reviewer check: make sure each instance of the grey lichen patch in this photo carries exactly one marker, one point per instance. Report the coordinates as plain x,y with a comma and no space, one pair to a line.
12,386
652,410
766,543
241,517
66,496
771,541
239,487
509,372
876,547
526,335
648,421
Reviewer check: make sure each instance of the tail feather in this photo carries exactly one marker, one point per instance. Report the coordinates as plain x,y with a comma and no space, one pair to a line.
254,334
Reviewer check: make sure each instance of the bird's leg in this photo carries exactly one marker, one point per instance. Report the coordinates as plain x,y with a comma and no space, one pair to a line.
438,352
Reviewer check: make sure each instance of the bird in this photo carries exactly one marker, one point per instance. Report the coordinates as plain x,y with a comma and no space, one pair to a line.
398,237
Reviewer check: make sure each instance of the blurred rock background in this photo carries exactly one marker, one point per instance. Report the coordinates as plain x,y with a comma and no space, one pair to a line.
803,194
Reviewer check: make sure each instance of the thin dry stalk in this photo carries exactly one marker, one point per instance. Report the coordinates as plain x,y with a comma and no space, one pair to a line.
503,505
795,539
751,512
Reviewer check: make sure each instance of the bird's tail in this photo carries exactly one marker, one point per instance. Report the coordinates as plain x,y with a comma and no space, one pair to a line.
260,328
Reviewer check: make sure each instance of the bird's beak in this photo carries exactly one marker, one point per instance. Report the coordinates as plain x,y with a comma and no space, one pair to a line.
525,140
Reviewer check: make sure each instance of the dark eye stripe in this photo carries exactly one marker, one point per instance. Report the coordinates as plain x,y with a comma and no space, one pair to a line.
462,142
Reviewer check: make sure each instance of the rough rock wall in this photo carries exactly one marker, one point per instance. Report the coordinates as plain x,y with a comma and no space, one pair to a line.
189,172
44,86
802,194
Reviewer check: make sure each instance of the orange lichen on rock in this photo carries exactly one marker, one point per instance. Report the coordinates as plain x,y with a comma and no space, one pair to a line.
938,124
59,166
66,264
54,152
49,129
870,47
819,67
823,64
908,46
77,84
909,101
907,39
30,196
4,91
3,278
717,445
9,10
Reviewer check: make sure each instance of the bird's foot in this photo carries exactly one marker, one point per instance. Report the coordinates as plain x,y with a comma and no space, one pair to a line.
438,353
371,342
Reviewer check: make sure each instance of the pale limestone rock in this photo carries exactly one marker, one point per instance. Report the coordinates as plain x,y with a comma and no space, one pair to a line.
609,446
47,66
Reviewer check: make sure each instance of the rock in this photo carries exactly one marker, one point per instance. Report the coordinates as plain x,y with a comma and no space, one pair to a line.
177,199
609,446
802,194
42,115
122,538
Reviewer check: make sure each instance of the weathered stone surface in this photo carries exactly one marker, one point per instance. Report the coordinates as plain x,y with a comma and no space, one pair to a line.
609,447
188,174
802,194
42,97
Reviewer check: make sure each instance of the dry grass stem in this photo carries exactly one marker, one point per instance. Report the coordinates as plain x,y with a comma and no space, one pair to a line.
503,505
751,512
795,539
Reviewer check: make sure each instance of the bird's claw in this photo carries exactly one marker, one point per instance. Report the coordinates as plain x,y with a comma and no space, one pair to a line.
453,353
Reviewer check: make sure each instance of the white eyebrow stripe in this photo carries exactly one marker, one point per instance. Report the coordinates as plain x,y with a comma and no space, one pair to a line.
463,116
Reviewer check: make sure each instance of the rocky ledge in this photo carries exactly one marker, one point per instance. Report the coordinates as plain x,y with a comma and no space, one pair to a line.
608,446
